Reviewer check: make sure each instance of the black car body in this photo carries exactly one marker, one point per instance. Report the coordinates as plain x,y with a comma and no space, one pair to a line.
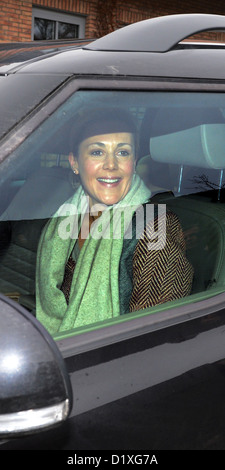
17,52
153,379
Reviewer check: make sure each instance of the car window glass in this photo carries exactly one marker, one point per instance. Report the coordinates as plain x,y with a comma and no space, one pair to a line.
174,154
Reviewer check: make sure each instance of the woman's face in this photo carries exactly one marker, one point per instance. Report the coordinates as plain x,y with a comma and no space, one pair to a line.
106,165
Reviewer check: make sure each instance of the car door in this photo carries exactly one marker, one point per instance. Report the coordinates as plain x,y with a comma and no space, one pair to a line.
152,378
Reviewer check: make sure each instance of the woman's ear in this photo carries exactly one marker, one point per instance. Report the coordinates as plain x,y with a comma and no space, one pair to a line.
73,163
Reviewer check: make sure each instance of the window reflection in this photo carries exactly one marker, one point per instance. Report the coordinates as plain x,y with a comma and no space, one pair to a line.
44,29
67,30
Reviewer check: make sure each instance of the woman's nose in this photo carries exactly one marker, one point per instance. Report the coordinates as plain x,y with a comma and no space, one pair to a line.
110,161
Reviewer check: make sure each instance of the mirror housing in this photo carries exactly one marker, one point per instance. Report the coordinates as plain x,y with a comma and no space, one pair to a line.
35,389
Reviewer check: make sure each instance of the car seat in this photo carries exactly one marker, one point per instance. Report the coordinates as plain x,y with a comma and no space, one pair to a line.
202,219
21,226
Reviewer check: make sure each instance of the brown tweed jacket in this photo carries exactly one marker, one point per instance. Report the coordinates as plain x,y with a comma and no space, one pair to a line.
157,275
160,275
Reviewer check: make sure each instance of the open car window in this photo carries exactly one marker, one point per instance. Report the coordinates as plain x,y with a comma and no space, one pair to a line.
180,160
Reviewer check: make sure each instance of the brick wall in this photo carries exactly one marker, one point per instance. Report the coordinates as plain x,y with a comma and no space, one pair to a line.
102,16
143,9
15,20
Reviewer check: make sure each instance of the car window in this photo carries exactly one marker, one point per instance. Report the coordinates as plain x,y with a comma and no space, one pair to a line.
113,205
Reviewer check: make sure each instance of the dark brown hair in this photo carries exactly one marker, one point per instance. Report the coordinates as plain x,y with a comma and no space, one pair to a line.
101,121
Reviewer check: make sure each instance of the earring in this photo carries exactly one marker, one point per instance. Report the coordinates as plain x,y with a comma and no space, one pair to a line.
75,171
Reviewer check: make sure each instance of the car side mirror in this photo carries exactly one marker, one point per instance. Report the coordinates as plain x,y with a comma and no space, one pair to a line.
35,389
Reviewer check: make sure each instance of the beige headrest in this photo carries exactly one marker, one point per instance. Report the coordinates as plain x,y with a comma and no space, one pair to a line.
201,146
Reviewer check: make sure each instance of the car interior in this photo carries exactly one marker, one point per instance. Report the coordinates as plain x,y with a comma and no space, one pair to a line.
181,161
194,192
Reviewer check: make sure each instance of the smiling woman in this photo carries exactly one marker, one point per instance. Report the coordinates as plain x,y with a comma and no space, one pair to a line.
84,262
105,156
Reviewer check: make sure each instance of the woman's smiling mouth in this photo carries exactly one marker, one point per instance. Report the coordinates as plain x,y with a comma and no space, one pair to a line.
109,181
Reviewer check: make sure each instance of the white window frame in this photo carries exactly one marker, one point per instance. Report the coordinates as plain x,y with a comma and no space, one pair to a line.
58,16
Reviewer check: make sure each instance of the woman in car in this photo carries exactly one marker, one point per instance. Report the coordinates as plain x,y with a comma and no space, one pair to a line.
96,257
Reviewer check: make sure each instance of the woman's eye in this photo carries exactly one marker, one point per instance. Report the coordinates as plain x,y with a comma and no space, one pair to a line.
97,153
123,153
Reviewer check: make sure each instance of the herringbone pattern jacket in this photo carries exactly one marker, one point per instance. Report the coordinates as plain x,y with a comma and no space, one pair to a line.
158,276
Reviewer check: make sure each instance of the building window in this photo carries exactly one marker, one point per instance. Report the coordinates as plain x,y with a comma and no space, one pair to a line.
67,30
47,24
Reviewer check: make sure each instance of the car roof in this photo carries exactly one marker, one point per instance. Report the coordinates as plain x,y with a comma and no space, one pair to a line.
149,48
18,52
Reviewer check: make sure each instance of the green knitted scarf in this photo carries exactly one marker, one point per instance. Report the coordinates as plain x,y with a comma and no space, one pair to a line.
94,294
